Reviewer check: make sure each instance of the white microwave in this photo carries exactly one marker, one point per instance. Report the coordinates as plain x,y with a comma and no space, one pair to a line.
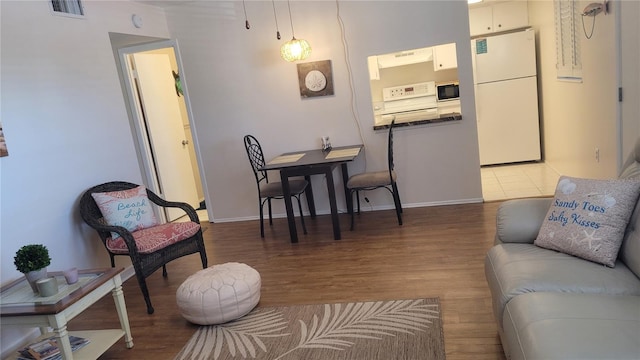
448,91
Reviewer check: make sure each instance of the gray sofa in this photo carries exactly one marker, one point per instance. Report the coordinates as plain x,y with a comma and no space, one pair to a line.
550,305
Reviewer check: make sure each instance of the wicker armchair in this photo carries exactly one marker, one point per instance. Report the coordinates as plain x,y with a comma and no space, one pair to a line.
144,263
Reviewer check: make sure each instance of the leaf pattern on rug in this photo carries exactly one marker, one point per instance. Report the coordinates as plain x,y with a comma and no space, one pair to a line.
239,335
369,320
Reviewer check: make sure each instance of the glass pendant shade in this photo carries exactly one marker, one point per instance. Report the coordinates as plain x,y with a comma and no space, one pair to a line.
295,49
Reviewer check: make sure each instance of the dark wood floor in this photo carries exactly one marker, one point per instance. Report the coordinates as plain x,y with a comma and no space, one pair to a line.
438,252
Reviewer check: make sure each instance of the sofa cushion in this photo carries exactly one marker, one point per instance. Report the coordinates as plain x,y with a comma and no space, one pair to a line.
572,326
130,209
516,269
588,218
630,249
155,238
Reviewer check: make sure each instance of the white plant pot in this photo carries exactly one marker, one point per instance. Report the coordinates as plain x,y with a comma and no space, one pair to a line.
33,276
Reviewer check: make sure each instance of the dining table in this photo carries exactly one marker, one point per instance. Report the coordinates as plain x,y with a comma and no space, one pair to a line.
315,162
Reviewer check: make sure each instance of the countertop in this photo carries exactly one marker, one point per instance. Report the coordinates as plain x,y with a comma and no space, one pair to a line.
454,116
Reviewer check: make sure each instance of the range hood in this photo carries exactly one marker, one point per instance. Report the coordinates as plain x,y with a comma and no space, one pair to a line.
405,58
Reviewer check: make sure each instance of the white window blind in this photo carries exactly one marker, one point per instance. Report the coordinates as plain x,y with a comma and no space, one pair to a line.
569,63
67,7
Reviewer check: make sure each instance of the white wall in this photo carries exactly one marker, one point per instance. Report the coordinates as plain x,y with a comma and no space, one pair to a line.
578,117
64,118
238,84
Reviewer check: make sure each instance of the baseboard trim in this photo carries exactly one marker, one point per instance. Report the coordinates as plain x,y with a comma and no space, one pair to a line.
362,208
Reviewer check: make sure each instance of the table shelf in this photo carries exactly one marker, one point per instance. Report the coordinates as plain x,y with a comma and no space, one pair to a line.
100,341
20,307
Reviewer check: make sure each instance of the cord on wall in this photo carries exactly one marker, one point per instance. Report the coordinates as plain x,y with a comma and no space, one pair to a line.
354,102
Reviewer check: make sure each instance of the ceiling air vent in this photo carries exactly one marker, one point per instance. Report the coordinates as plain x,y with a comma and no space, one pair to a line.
71,8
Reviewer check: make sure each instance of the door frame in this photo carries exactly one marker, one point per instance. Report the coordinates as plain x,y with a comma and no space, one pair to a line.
137,120
628,73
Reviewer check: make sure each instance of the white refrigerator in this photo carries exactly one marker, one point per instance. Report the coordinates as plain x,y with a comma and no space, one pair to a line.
504,72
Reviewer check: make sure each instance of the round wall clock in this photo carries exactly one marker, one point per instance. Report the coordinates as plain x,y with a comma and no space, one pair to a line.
315,80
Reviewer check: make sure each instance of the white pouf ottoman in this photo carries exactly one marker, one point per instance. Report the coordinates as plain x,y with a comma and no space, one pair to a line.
219,293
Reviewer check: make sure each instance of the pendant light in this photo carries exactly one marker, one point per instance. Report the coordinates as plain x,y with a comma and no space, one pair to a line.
246,20
295,49
273,3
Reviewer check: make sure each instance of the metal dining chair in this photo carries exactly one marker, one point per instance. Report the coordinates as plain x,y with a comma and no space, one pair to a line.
270,190
378,179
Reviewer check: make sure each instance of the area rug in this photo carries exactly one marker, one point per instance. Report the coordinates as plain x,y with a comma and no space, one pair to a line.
384,330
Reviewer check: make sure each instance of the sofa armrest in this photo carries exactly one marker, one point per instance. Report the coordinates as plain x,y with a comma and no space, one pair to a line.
518,221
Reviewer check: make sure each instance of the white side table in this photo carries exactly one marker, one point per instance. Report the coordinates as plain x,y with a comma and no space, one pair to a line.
21,307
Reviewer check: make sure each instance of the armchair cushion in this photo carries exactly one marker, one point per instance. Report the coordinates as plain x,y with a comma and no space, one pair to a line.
588,218
130,209
154,238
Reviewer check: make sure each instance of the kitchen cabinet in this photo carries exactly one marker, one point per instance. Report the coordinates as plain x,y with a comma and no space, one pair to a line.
445,57
405,58
374,71
499,17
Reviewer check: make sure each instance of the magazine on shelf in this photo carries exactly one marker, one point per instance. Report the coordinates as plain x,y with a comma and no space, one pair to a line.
47,349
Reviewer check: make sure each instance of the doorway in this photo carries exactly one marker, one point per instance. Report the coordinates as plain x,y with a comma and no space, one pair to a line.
165,134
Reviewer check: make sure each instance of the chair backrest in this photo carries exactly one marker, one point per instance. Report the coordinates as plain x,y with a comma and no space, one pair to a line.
256,158
89,210
390,149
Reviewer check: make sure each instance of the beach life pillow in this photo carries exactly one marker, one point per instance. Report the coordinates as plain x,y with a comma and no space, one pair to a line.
130,209
588,218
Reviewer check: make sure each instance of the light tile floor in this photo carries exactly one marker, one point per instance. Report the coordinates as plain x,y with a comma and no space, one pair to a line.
202,215
518,181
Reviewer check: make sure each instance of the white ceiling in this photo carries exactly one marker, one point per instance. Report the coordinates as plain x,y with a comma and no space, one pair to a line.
167,3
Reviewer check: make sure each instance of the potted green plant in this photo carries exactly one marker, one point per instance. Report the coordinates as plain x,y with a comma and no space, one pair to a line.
32,260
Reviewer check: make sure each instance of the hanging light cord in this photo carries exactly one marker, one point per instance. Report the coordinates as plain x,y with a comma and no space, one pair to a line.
291,20
275,17
246,21
354,102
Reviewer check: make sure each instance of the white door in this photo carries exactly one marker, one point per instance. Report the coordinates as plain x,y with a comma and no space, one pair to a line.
508,125
166,130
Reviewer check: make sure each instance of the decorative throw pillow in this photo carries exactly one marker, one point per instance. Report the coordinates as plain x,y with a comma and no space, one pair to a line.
130,209
588,218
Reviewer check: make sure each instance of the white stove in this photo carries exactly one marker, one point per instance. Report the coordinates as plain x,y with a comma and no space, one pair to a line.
407,103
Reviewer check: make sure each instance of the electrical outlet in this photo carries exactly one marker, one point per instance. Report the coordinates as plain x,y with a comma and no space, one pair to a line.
597,154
